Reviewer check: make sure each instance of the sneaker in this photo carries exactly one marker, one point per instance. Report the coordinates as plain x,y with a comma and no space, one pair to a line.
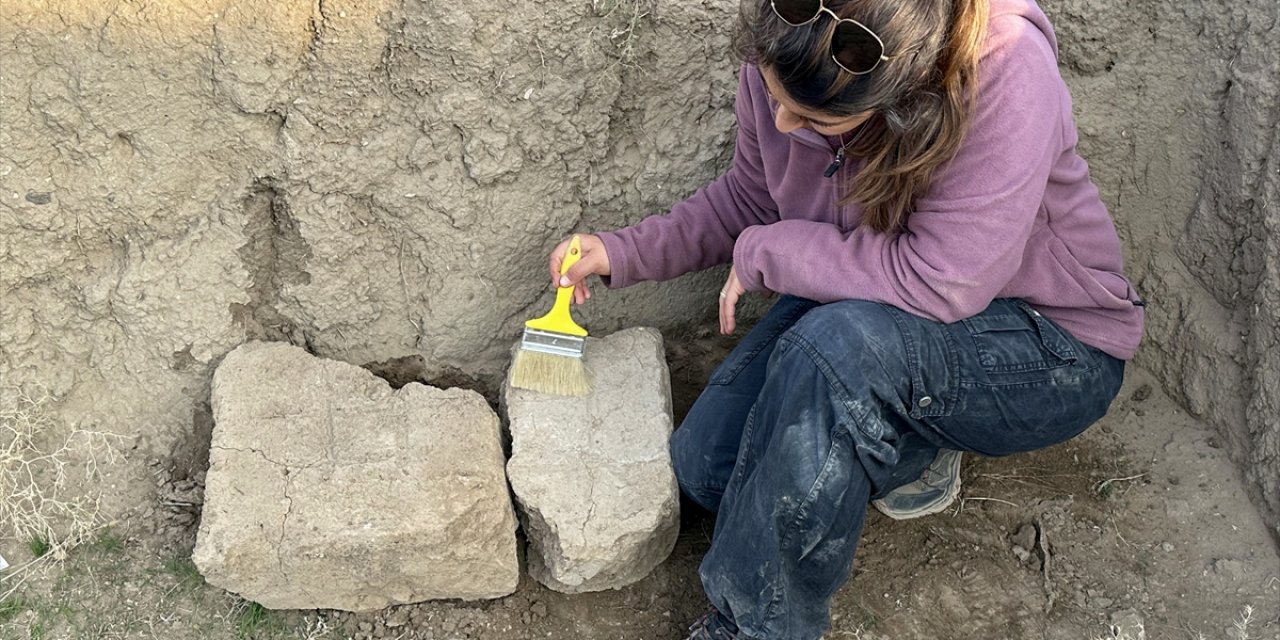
714,625
936,489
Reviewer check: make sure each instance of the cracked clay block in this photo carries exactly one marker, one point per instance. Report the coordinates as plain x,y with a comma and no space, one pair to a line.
592,476
329,489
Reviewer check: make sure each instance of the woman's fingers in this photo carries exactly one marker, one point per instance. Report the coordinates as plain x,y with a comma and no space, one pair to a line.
729,296
728,311
594,259
557,258
577,274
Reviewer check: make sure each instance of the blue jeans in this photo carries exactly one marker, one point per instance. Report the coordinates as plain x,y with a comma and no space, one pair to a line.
823,407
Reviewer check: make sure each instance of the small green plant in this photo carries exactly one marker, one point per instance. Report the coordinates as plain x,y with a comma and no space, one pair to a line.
108,542
39,546
253,617
10,608
182,568
255,622
1106,490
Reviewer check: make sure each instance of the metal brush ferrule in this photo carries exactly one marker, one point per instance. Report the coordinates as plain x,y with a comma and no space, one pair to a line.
553,343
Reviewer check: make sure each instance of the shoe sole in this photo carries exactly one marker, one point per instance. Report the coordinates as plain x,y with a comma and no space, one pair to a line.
936,507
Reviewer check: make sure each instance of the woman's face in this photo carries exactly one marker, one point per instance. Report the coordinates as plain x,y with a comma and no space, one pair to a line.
790,116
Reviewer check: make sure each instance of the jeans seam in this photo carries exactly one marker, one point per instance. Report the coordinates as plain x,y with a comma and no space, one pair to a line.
788,531
748,430
1043,327
1020,385
953,371
908,346
951,361
842,395
912,357
828,371
807,501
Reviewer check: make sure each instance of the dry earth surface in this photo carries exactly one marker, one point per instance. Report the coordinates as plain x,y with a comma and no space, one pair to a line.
1143,520
379,182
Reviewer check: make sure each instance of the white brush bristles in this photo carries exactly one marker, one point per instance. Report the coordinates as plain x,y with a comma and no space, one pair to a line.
547,373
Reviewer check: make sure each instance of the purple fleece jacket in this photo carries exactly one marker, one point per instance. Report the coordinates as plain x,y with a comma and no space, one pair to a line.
1014,214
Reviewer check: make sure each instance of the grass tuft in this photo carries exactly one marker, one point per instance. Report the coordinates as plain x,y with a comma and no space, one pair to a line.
182,568
39,546
10,608
108,542
253,617
255,622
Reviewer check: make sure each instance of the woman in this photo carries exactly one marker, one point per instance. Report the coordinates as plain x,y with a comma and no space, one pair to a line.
906,176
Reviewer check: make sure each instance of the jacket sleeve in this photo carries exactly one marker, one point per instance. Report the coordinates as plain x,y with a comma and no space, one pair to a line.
700,231
965,238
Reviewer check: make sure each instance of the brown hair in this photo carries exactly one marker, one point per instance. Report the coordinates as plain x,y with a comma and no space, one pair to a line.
923,95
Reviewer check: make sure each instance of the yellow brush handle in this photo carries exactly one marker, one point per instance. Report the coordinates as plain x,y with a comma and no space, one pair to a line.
558,319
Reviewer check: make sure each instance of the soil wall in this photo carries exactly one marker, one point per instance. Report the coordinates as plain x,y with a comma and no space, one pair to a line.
380,181
1178,106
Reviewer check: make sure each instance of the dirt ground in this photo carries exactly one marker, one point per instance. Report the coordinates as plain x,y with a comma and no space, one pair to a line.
1139,528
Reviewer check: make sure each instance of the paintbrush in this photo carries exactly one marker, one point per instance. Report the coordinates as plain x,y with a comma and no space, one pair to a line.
549,359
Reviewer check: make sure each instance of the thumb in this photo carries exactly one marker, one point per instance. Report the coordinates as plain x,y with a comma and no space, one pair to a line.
579,272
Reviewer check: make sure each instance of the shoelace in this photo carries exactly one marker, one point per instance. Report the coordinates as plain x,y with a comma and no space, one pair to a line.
698,630
703,620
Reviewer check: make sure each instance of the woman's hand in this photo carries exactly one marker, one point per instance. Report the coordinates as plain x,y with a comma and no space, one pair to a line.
729,295
593,260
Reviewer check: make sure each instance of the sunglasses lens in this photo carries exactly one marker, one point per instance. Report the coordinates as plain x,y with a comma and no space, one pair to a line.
797,12
855,47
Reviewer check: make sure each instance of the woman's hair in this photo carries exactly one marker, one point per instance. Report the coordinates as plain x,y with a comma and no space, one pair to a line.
923,95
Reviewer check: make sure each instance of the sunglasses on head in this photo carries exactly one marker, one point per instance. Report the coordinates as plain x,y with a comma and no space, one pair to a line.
854,47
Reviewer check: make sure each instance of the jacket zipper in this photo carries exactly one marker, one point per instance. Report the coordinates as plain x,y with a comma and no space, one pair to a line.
835,165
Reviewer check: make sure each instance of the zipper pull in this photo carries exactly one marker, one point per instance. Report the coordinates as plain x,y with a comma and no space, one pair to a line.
835,165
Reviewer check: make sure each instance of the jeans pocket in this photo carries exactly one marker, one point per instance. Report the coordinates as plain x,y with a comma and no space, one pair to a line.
1012,337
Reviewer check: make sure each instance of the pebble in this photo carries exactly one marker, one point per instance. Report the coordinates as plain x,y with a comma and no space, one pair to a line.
1025,537
1230,569
1022,554
1130,624
398,618
1142,393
